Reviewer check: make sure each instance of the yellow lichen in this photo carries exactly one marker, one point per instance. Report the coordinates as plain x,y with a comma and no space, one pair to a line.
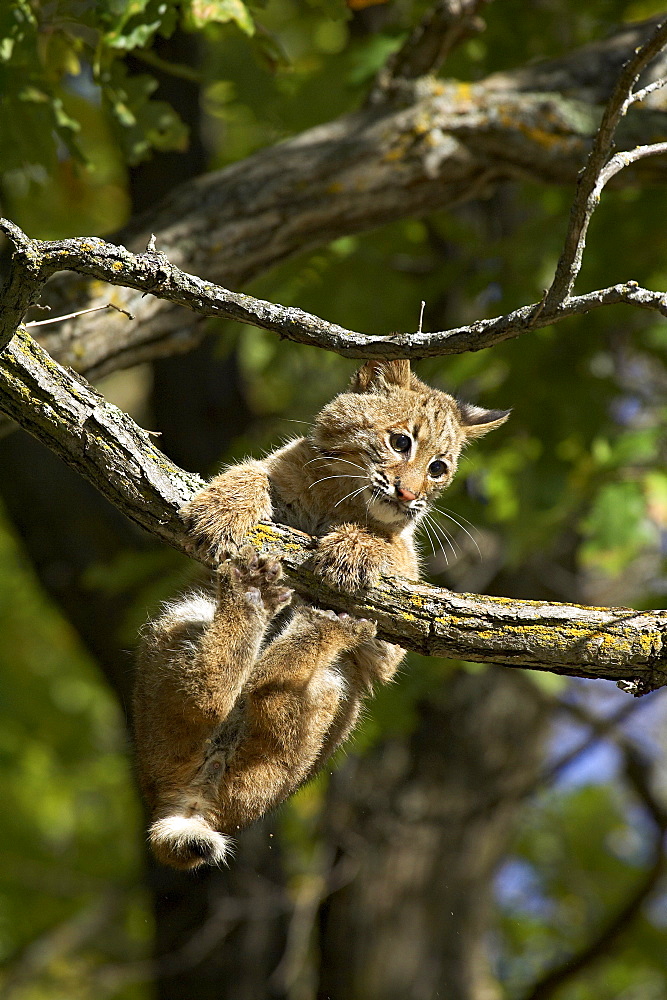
406,616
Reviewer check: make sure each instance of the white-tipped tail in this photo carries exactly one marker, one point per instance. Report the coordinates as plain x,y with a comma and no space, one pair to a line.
187,842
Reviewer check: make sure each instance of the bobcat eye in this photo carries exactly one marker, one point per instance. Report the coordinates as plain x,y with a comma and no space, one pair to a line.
400,443
437,469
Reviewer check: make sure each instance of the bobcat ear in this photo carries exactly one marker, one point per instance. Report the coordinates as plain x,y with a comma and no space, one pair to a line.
379,375
476,421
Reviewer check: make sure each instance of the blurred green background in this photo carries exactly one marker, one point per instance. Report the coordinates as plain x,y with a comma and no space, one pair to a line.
567,502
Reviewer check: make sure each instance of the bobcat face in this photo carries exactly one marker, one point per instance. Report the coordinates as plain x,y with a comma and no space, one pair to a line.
413,469
392,477
391,444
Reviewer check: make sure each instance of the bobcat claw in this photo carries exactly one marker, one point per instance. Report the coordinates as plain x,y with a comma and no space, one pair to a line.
259,578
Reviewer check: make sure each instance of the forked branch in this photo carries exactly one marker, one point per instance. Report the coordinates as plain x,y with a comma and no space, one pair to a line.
441,144
600,168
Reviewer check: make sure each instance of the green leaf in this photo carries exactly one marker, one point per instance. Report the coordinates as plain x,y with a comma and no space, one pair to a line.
17,25
199,13
141,124
135,24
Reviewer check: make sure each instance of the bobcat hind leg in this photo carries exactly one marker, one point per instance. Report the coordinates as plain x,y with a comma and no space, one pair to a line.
181,703
295,693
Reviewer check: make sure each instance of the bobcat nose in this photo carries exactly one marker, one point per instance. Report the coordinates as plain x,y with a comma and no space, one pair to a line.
403,494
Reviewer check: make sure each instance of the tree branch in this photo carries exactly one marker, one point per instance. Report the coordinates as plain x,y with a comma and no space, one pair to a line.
120,459
152,272
440,143
598,171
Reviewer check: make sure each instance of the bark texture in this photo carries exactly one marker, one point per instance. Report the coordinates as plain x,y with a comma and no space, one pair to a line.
153,273
121,460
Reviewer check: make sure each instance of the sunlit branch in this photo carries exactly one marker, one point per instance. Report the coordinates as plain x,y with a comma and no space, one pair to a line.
105,446
151,272
596,173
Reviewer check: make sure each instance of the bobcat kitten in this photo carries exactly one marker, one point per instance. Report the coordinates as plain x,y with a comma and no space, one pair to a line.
233,713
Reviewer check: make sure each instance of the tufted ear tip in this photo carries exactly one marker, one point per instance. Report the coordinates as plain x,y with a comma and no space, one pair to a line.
476,421
378,376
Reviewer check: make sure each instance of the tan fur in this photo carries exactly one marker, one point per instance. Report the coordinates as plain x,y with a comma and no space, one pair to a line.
232,713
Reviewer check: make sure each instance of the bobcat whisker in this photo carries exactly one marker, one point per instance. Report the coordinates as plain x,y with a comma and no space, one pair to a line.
447,511
345,461
334,458
354,493
346,475
441,533
430,538
450,517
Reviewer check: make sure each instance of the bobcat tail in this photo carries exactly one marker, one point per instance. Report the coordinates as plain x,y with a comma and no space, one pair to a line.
187,842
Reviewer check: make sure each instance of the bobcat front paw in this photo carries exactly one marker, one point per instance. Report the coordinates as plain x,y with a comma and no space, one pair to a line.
349,558
258,579
337,628
220,516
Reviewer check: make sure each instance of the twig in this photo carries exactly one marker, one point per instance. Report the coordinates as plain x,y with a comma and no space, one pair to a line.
75,315
589,185
621,160
640,95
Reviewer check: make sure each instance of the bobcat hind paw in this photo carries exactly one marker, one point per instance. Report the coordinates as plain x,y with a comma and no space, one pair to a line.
259,578
354,631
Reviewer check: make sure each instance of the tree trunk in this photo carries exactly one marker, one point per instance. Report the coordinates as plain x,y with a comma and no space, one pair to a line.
422,823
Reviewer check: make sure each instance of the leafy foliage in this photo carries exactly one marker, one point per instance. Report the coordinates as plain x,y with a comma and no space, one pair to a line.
48,49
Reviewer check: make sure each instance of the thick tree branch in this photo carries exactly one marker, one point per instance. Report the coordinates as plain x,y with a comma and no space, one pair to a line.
120,459
437,144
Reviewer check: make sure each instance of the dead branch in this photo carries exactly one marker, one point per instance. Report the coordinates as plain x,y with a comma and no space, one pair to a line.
151,272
